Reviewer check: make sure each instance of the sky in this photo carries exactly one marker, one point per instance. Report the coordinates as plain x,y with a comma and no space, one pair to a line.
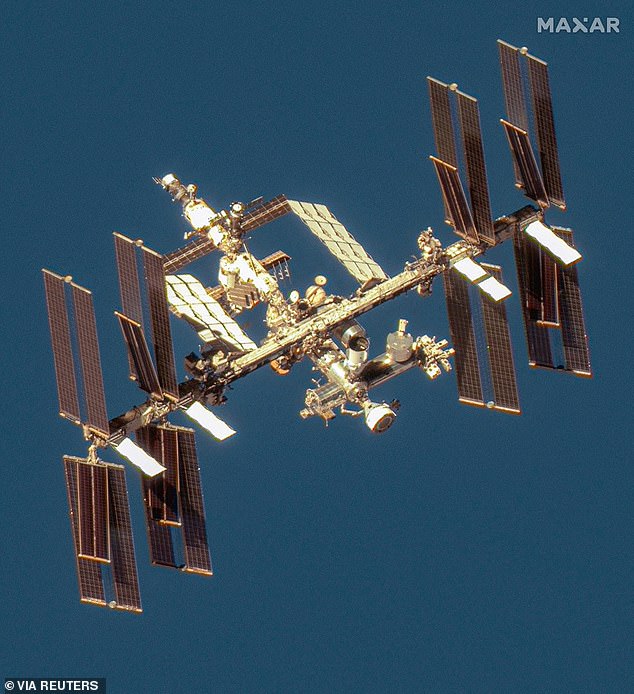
463,550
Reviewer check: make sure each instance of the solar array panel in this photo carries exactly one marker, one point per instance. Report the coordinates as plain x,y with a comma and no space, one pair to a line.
62,346
513,86
102,534
442,121
198,248
92,513
129,287
197,558
338,240
545,130
65,327
265,213
469,116
189,299
529,279
545,188
91,588
471,219
499,350
551,307
573,330
527,172
123,561
480,335
153,264
139,355
548,305
456,205
90,360
174,499
463,340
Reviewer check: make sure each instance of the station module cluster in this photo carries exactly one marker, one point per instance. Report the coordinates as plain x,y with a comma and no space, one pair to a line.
316,325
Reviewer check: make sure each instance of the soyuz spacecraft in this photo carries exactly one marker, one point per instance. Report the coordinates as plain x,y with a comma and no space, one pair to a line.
314,325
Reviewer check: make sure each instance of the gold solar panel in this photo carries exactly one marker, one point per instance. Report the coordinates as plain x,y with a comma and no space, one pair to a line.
102,534
499,350
456,203
139,354
173,500
159,319
545,130
463,340
476,170
62,346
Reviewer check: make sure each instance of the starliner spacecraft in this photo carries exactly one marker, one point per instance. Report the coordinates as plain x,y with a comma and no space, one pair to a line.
313,324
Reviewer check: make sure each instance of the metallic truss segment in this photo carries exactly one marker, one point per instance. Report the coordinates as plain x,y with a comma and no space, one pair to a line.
174,499
545,130
463,340
456,205
159,318
62,346
102,534
189,299
338,240
499,350
476,170
143,367
527,172
265,213
442,121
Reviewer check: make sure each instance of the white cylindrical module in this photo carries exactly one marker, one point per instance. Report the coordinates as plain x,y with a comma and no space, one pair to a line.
357,351
399,346
199,214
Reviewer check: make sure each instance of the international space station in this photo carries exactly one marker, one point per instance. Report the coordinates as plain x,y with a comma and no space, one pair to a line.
315,324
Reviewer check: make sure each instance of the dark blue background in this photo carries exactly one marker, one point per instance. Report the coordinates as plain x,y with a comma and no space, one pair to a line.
463,550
